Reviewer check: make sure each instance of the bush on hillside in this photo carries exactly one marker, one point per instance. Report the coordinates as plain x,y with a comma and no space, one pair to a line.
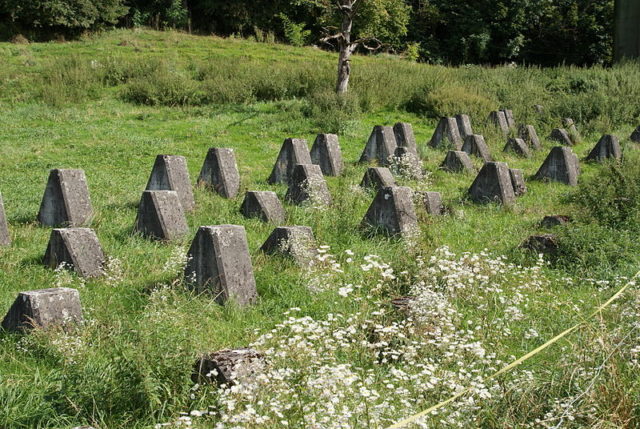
604,235
47,18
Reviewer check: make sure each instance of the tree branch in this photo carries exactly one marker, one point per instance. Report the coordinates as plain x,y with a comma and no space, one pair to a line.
365,42
328,39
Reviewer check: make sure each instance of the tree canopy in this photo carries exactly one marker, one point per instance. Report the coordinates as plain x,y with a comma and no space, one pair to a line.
545,32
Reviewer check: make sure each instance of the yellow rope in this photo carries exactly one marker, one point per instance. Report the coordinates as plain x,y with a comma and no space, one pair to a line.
519,360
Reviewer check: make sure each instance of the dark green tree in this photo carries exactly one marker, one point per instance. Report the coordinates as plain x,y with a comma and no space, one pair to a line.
46,17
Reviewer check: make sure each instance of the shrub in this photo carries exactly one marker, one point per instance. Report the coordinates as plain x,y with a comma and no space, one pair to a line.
295,33
603,237
164,88
68,80
449,101
331,112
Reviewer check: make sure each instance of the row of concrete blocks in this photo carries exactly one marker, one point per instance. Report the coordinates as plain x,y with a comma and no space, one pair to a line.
383,144
218,264
66,200
454,131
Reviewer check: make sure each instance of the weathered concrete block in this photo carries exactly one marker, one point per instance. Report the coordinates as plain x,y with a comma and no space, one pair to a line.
380,146
561,165
517,146
498,119
77,248
517,180
433,203
392,211
608,147
225,366
570,126
296,242
219,264
539,108
493,184
44,308
161,216
292,152
635,135
326,153
220,172
403,132
474,144
553,221
561,136
307,184
264,205
5,237
447,134
530,136
66,199
377,178
170,173
546,244
508,116
457,162
464,126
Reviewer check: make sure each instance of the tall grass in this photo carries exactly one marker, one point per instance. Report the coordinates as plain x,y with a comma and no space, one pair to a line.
593,97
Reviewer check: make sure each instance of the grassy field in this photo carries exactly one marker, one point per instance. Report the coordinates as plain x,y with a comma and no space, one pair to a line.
109,104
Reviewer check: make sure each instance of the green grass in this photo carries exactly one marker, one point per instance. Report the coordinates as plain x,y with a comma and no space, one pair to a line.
58,111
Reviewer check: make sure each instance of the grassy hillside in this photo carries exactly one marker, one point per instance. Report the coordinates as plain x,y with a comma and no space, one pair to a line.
111,103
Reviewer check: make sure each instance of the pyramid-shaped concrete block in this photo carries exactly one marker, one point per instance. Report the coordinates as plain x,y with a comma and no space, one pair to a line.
508,116
5,237
433,203
392,211
518,147
464,126
220,265
76,248
220,172
560,135
326,153
296,242
405,138
635,135
446,134
517,180
43,309
292,152
377,178
530,136
380,146
499,120
475,145
161,216
170,173
66,199
264,205
307,184
457,161
570,126
608,147
493,184
561,165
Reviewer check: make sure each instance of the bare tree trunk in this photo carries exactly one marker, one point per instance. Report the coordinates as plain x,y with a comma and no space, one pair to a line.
344,70
627,29
346,49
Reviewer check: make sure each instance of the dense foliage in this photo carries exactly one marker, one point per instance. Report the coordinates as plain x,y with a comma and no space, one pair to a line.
438,31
